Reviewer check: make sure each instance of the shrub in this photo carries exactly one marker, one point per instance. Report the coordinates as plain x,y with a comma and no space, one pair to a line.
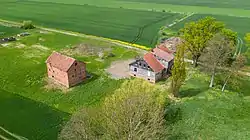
27,25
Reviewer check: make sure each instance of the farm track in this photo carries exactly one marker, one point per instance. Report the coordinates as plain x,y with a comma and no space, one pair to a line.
17,24
141,29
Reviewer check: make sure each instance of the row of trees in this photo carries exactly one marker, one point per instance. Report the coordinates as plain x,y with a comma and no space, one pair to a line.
212,45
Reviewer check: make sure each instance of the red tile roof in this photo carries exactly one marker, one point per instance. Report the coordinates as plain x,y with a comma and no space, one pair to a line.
162,47
162,54
153,62
60,61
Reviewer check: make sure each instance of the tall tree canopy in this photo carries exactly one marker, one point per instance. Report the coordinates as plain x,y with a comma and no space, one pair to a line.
197,34
131,113
178,71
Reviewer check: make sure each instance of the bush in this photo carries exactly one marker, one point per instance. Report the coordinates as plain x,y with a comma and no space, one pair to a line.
27,25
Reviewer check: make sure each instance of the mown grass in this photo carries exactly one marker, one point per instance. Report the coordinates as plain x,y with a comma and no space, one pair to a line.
115,23
30,110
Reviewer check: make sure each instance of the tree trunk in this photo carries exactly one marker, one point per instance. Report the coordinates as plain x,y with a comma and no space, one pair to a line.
225,83
195,61
212,79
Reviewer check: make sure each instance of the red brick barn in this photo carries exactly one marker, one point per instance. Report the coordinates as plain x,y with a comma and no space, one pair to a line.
65,70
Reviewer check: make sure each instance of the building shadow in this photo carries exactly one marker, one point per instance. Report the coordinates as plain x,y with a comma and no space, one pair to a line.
30,119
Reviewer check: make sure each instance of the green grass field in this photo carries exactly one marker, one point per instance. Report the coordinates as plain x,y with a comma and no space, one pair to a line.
30,110
135,26
7,31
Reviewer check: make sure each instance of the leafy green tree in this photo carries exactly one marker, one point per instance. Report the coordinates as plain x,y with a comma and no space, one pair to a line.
178,71
217,54
131,113
197,34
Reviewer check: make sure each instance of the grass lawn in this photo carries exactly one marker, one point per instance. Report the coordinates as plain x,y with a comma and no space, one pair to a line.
32,111
117,23
211,116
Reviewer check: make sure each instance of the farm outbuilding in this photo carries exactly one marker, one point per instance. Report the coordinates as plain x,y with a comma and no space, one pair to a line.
65,70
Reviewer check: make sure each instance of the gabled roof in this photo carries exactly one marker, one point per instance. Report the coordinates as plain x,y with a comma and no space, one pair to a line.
60,61
162,54
154,64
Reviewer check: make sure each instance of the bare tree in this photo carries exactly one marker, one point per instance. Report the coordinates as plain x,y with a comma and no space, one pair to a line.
217,54
234,69
133,112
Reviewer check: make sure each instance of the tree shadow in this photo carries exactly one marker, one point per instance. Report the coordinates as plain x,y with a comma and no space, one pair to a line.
28,118
192,92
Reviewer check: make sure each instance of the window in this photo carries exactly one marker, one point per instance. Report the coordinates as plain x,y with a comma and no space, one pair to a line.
139,64
148,67
148,79
53,76
73,75
75,64
49,69
144,65
53,71
75,69
135,69
134,75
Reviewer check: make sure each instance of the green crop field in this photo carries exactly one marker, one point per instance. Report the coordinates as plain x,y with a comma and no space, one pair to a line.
127,25
240,4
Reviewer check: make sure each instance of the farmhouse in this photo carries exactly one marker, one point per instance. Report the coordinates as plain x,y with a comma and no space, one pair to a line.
154,66
65,70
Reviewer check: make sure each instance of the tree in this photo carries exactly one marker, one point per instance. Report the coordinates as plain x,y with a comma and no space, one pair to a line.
247,39
197,34
130,113
236,66
178,71
27,25
217,54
